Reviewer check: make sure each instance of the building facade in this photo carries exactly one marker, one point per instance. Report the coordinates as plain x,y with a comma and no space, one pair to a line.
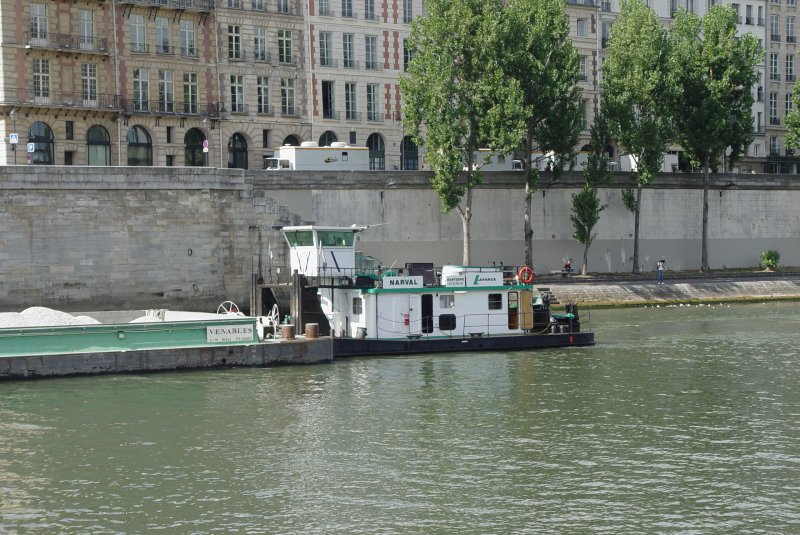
224,82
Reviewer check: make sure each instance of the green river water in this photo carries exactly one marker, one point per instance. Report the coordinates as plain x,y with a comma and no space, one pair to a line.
679,420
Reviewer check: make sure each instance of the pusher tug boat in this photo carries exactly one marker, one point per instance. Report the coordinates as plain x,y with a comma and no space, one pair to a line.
370,310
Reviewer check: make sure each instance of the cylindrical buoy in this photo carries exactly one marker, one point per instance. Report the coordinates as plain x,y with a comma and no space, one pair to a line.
287,331
312,330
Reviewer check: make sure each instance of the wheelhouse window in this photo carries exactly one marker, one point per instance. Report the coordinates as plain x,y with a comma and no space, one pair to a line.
300,238
332,238
447,301
495,301
357,305
447,322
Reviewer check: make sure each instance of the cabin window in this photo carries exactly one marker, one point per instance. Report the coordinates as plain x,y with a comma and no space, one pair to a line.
357,305
447,322
300,238
333,238
447,301
495,301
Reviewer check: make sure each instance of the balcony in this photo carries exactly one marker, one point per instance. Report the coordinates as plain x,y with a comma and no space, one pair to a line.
262,56
760,22
775,121
165,50
748,20
164,107
759,129
351,115
240,109
289,111
328,62
61,99
371,16
790,77
330,114
188,52
265,109
325,11
374,117
281,7
791,39
349,63
775,77
775,37
72,43
193,5
373,66
348,14
140,48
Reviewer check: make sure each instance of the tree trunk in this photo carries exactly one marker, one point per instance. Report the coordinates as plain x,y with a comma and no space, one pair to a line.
636,228
585,265
704,245
528,230
466,215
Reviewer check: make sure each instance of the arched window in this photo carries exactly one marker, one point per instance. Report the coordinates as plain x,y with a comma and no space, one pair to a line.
377,152
409,155
98,146
237,152
193,148
291,140
327,138
42,137
140,147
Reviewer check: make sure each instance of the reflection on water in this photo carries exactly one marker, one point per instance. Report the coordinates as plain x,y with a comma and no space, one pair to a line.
681,419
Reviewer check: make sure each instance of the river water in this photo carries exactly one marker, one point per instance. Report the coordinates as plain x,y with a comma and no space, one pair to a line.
680,420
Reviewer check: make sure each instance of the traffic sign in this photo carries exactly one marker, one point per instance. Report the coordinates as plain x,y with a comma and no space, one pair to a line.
13,138
205,143
31,147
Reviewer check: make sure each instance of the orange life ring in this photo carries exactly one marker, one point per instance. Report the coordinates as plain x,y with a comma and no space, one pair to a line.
525,275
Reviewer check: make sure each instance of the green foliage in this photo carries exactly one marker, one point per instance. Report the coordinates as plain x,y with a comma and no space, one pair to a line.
636,87
792,138
457,96
597,170
770,258
586,209
545,62
713,70
629,199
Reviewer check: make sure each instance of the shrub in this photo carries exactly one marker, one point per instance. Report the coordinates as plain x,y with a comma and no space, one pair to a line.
770,258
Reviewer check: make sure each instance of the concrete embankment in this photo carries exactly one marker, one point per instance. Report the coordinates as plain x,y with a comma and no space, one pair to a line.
602,291
298,351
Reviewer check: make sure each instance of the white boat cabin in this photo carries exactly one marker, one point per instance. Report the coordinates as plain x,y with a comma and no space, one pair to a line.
410,302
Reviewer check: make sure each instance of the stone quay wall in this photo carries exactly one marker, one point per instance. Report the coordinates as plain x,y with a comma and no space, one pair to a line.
90,238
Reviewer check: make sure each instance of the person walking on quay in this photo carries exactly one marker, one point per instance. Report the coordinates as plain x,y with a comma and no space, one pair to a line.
660,270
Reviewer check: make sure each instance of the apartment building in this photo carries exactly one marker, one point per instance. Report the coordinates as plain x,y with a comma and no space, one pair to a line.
224,82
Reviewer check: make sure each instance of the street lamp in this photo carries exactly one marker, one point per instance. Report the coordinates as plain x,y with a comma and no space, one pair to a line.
14,114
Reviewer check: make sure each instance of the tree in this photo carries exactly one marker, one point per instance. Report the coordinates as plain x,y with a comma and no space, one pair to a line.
635,92
586,206
546,65
713,71
457,98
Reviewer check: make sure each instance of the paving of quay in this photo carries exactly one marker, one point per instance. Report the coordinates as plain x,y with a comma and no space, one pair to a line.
621,289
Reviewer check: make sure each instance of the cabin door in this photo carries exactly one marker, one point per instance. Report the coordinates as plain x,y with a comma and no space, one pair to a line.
513,310
414,314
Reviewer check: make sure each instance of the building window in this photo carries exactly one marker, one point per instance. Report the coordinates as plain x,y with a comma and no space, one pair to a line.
495,301
38,22
169,134
406,55
377,152
69,130
347,8
190,92
162,36
373,103
760,20
138,37
237,93
234,42
284,6
350,101
773,66
348,51
581,28
41,80
98,146
606,34
582,67
265,138
140,147
141,89
773,109
89,84
790,38
325,8
584,114
260,44
262,89
326,49
773,28
790,67
188,39
789,104
369,10
86,29
773,145
408,11
166,91
371,52
287,96
285,46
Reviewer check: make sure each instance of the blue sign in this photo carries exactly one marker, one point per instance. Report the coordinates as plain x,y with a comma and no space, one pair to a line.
13,138
31,147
